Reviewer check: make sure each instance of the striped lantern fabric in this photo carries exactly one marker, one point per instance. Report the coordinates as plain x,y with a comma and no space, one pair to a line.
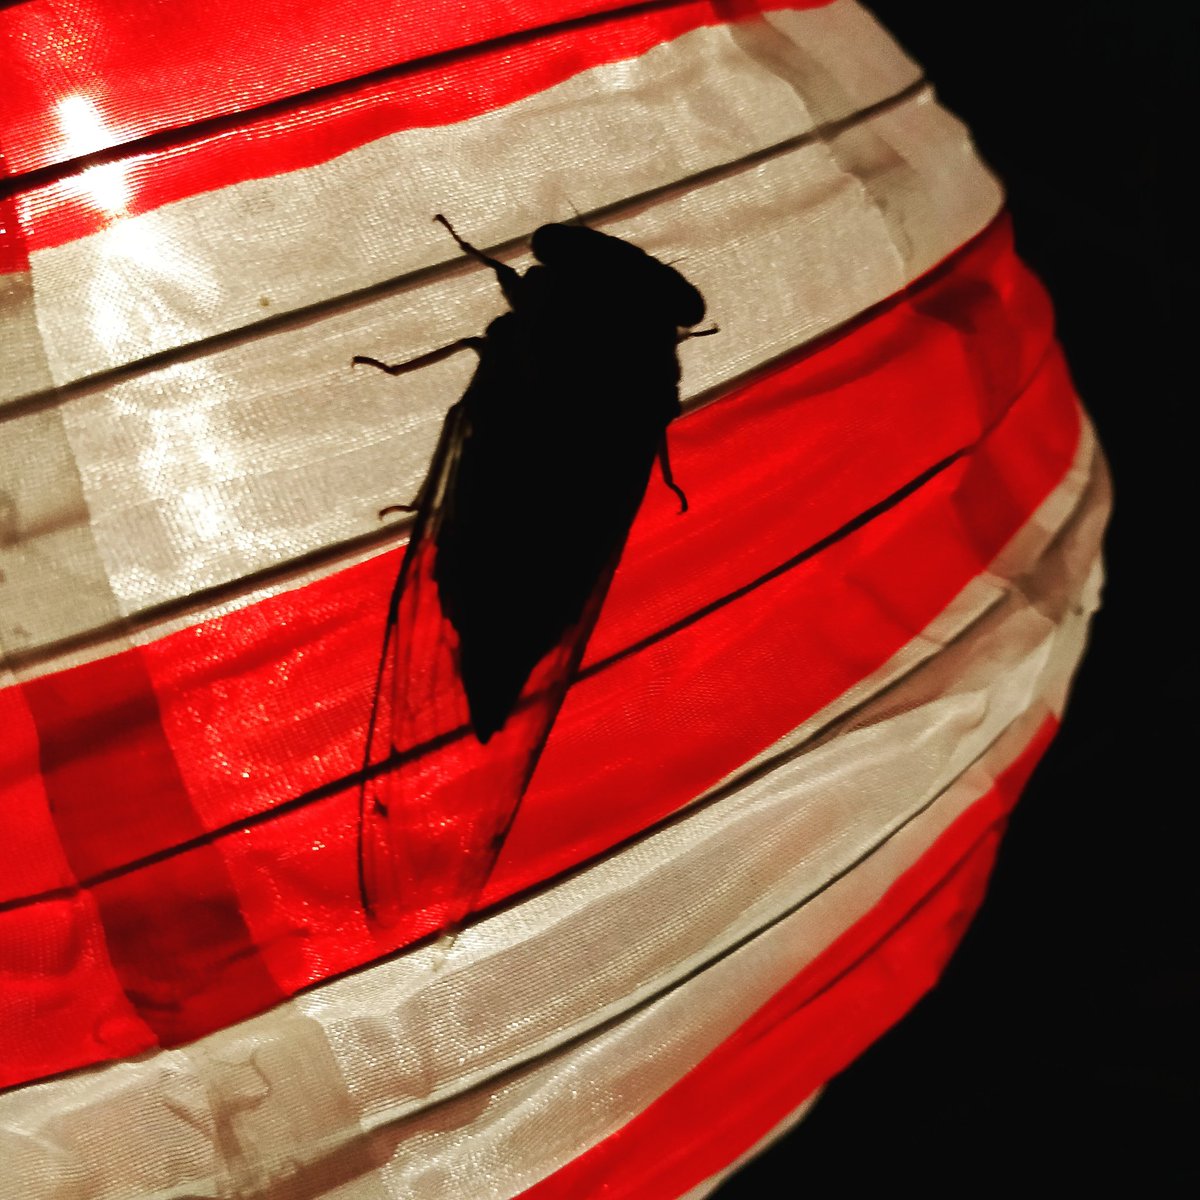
772,798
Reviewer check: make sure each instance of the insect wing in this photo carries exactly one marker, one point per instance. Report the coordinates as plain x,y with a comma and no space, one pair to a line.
437,803
405,704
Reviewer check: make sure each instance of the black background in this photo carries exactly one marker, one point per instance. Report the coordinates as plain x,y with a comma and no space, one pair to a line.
1056,1054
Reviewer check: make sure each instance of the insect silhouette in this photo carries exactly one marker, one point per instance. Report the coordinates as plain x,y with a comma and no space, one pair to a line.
537,476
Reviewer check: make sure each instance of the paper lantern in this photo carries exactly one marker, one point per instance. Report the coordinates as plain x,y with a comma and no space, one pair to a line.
772,797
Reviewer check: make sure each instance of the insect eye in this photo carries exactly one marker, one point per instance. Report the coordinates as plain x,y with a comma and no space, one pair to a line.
687,304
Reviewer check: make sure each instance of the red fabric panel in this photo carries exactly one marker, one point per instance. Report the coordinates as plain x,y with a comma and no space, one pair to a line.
814,1027
63,1004
14,250
264,708
59,980
442,93
114,791
696,706
150,69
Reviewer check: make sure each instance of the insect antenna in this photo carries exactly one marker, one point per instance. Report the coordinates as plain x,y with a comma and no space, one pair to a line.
509,279
579,217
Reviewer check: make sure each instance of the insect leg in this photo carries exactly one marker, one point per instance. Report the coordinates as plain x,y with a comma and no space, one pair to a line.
664,463
422,360
508,277
683,337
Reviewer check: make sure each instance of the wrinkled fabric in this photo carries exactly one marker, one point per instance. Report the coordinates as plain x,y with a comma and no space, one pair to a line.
549,1026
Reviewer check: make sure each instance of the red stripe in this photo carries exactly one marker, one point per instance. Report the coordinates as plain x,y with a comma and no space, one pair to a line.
440,94
814,1027
133,102
269,701
14,248
660,728
150,67
114,791
260,705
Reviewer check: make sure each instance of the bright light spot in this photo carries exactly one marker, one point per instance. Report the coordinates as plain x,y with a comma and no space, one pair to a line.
84,132
203,516
146,286
106,187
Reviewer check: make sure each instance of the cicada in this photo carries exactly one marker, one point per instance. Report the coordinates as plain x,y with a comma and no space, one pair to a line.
538,473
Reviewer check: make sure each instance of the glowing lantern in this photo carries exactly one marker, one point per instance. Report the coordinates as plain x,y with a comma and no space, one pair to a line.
772,797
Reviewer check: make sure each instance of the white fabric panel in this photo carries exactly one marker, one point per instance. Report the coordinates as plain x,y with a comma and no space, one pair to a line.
22,367
52,575
549,1025
224,259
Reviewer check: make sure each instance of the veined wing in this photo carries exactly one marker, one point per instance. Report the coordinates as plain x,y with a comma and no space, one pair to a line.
436,802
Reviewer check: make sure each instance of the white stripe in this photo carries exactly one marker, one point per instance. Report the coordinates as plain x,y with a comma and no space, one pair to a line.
207,264
25,368
421,1073
52,575
205,471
